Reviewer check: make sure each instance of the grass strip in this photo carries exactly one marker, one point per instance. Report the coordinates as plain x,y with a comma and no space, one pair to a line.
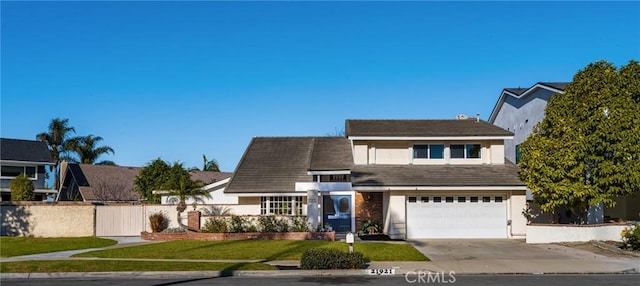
17,246
49,266
256,250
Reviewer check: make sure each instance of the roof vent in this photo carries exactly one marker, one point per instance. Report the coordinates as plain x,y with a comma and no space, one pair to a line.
462,116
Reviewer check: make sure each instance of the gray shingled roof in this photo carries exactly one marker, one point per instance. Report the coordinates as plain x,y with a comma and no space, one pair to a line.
91,179
516,90
272,164
275,164
24,150
331,153
556,85
435,175
423,128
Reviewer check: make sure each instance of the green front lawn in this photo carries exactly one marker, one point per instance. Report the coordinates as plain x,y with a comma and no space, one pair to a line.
16,246
256,250
114,265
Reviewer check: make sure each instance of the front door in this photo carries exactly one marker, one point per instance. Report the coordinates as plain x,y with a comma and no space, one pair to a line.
336,212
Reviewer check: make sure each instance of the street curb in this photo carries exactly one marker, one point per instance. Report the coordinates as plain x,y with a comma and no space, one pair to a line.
612,248
188,274
266,273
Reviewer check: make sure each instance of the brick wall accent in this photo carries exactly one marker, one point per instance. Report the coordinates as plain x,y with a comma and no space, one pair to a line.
193,220
329,236
368,206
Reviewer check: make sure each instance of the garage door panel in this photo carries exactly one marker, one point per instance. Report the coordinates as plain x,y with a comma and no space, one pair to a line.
481,216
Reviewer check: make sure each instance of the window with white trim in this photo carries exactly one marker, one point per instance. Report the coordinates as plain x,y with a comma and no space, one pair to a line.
465,151
281,205
428,151
14,171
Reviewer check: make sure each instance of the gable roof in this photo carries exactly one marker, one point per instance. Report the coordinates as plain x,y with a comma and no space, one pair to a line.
275,164
116,183
557,87
331,153
436,175
422,128
25,151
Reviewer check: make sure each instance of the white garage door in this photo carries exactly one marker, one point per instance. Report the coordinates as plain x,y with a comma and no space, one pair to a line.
477,216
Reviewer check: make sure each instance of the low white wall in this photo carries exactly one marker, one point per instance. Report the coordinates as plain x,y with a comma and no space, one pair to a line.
573,233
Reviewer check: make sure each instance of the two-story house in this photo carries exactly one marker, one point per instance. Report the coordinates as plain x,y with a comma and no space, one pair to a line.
419,178
24,156
519,110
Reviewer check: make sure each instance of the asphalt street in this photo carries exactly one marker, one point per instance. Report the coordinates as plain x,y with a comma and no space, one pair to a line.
480,280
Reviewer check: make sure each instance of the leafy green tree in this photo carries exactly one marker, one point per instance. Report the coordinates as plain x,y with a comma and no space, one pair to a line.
22,189
586,151
86,149
152,177
57,137
210,165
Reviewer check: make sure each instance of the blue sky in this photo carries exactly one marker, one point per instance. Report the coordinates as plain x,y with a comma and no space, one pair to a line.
176,80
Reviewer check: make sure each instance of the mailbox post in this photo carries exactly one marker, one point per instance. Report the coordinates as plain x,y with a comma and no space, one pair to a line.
349,240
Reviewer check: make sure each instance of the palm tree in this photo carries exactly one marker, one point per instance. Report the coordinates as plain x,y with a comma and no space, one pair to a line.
210,165
57,139
87,150
180,185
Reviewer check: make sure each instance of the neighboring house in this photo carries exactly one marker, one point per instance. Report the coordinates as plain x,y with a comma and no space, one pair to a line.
108,184
419,178
24,156
519,109
216,191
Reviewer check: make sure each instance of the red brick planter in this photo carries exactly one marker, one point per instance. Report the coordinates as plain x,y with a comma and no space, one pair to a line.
329,236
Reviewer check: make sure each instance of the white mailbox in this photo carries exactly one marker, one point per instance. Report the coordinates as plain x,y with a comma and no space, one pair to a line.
349,238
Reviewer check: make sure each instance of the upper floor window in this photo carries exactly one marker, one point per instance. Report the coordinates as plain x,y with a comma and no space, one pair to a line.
518,154
430,151
465,151
14,171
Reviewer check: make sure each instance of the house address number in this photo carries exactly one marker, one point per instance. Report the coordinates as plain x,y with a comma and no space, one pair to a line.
382,271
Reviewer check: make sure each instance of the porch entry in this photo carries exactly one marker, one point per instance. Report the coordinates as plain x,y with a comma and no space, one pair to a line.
337,212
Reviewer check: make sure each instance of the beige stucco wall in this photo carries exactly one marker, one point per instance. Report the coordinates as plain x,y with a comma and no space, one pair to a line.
516,204
360,153
392,153
48,220
401,152
395,218
497,152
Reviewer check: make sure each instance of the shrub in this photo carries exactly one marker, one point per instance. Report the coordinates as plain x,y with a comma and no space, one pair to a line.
175,230
283,225
21,189
299,224
631,238
241,224
159,221
268,223
215,225
330,258
370,226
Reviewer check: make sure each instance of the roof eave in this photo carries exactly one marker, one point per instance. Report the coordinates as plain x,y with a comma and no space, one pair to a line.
27,162
441,188
431,138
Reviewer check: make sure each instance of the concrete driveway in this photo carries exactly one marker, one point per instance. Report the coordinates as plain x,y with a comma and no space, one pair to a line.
496,249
